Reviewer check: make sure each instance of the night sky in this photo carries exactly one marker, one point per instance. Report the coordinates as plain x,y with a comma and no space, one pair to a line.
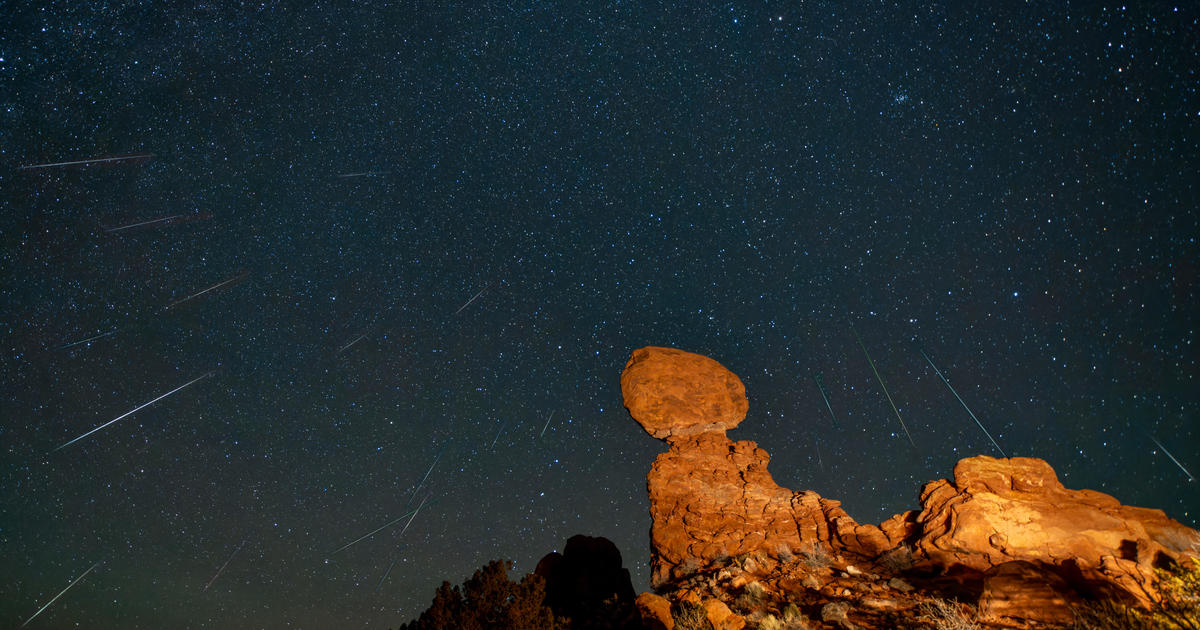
406,251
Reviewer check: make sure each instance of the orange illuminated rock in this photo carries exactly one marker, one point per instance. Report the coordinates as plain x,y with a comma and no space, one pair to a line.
712,498
1001,510
675,393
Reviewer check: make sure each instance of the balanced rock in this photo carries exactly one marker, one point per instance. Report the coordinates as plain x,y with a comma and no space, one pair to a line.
712,498
675,393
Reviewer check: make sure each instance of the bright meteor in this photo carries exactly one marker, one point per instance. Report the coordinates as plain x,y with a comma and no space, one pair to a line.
136,409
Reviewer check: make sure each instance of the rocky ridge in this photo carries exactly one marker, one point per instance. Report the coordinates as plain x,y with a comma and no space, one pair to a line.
1004,537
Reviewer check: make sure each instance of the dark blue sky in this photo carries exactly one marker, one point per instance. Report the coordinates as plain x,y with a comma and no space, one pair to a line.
1011,192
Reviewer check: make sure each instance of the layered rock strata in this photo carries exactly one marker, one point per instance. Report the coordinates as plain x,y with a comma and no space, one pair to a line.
1004,535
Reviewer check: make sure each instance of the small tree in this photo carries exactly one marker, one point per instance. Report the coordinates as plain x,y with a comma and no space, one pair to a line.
488,601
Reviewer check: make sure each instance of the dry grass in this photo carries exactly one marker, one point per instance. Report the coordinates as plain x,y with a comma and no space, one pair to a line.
946,615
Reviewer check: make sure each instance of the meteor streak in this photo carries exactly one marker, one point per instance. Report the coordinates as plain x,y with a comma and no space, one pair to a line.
821,387
411,513
960,400
222,569
497,435
356,340
485,288
239,277
135,410
393,564
1168,454
547,425
143,223
119,158
60,594
422,482
884,387
83,341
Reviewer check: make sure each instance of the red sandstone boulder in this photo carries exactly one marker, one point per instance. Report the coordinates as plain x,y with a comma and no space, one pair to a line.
655,612
675,393
1001,510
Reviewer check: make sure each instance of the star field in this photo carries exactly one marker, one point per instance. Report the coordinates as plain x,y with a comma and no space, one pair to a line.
404,249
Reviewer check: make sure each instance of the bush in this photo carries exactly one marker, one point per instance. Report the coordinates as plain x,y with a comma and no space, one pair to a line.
752,598
488,601
791,619
689,616
945,615
1177,608
817,557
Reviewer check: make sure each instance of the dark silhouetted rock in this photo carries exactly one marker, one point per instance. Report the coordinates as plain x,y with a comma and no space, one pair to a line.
588,584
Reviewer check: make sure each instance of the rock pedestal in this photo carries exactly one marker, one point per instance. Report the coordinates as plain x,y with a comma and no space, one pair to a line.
1033,545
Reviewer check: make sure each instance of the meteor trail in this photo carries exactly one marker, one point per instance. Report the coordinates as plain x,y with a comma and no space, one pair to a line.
150,222
119,158
547,425
240,276
960,400
83,341
497,436
222,569
821,387
422,482
485,288
393,564
356,340
135,410
884,387
412,513
1168,453
60,594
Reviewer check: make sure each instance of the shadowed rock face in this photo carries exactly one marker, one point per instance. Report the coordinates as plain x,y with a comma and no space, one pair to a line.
1030,545
588,584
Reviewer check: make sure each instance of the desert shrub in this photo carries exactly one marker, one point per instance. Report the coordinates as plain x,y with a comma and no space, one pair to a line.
689,616
793,619
1177,608
751,598
770,622
1179,596
946,615
1110,615
790,619
816,557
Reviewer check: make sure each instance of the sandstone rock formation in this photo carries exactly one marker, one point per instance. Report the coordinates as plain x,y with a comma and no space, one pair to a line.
675,393
1004,535
712,498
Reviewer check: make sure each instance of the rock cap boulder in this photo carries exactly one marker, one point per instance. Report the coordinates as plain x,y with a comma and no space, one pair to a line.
673,393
